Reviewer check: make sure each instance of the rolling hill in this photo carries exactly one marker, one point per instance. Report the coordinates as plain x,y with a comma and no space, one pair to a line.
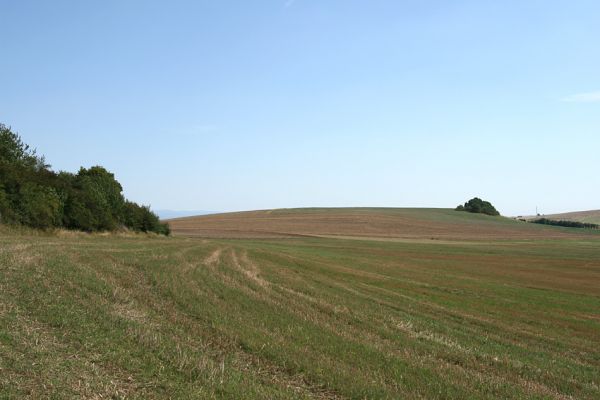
170,214
374,223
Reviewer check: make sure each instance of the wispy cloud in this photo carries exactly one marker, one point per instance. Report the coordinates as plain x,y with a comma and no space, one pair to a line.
583,97
289,3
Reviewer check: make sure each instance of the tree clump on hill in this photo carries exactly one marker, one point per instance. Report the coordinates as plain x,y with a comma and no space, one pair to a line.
92,200
476,205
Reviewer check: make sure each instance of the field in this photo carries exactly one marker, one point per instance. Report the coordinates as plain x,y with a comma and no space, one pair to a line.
325,304
590,217
371,223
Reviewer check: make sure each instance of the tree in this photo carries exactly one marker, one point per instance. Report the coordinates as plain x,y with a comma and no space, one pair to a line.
91,200
6,211
14,151
40,206
99,191
24,197
141,218
476,205
79,212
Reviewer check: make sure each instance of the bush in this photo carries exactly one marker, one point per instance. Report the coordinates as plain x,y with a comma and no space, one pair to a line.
98,191
568,224
140,218
6,212
40,206
476,205
79,212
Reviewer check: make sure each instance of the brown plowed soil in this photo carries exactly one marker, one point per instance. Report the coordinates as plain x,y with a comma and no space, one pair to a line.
382,223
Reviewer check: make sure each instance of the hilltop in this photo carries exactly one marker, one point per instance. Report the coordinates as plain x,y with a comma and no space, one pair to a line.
374,223
170,214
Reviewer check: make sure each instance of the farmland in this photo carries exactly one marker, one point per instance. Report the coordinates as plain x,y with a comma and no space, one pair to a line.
371,223
591,217
315,303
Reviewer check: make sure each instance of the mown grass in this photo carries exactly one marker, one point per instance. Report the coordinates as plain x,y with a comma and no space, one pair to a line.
148,317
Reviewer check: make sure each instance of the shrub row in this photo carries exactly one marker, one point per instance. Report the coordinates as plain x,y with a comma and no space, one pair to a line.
568,224
91,200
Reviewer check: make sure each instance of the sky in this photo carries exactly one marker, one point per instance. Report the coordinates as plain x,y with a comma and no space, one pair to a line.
240,105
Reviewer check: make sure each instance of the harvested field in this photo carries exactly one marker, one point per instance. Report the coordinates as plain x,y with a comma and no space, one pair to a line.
404,223
89,316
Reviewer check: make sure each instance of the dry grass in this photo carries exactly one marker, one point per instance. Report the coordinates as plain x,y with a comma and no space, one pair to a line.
307,317
408,224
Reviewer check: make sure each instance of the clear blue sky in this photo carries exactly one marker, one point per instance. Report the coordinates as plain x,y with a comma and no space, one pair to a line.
235,105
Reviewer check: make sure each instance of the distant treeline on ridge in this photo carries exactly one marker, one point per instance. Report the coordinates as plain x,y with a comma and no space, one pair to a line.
32,194
568,224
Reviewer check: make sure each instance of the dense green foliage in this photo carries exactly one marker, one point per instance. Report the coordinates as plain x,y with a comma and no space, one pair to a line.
568,224
478,206
91,200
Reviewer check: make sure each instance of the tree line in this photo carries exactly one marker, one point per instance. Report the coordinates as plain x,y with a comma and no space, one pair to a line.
91,200
568,224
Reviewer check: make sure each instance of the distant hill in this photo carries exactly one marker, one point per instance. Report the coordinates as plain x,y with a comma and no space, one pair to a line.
368,223
168,214
591,216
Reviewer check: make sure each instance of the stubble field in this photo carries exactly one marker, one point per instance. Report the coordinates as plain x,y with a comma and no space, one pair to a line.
480,308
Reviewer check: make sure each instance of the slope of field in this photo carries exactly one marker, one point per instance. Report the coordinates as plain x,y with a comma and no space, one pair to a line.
141,318
407,223
591,217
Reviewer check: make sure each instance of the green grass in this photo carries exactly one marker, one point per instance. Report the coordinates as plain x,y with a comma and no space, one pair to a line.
144,317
